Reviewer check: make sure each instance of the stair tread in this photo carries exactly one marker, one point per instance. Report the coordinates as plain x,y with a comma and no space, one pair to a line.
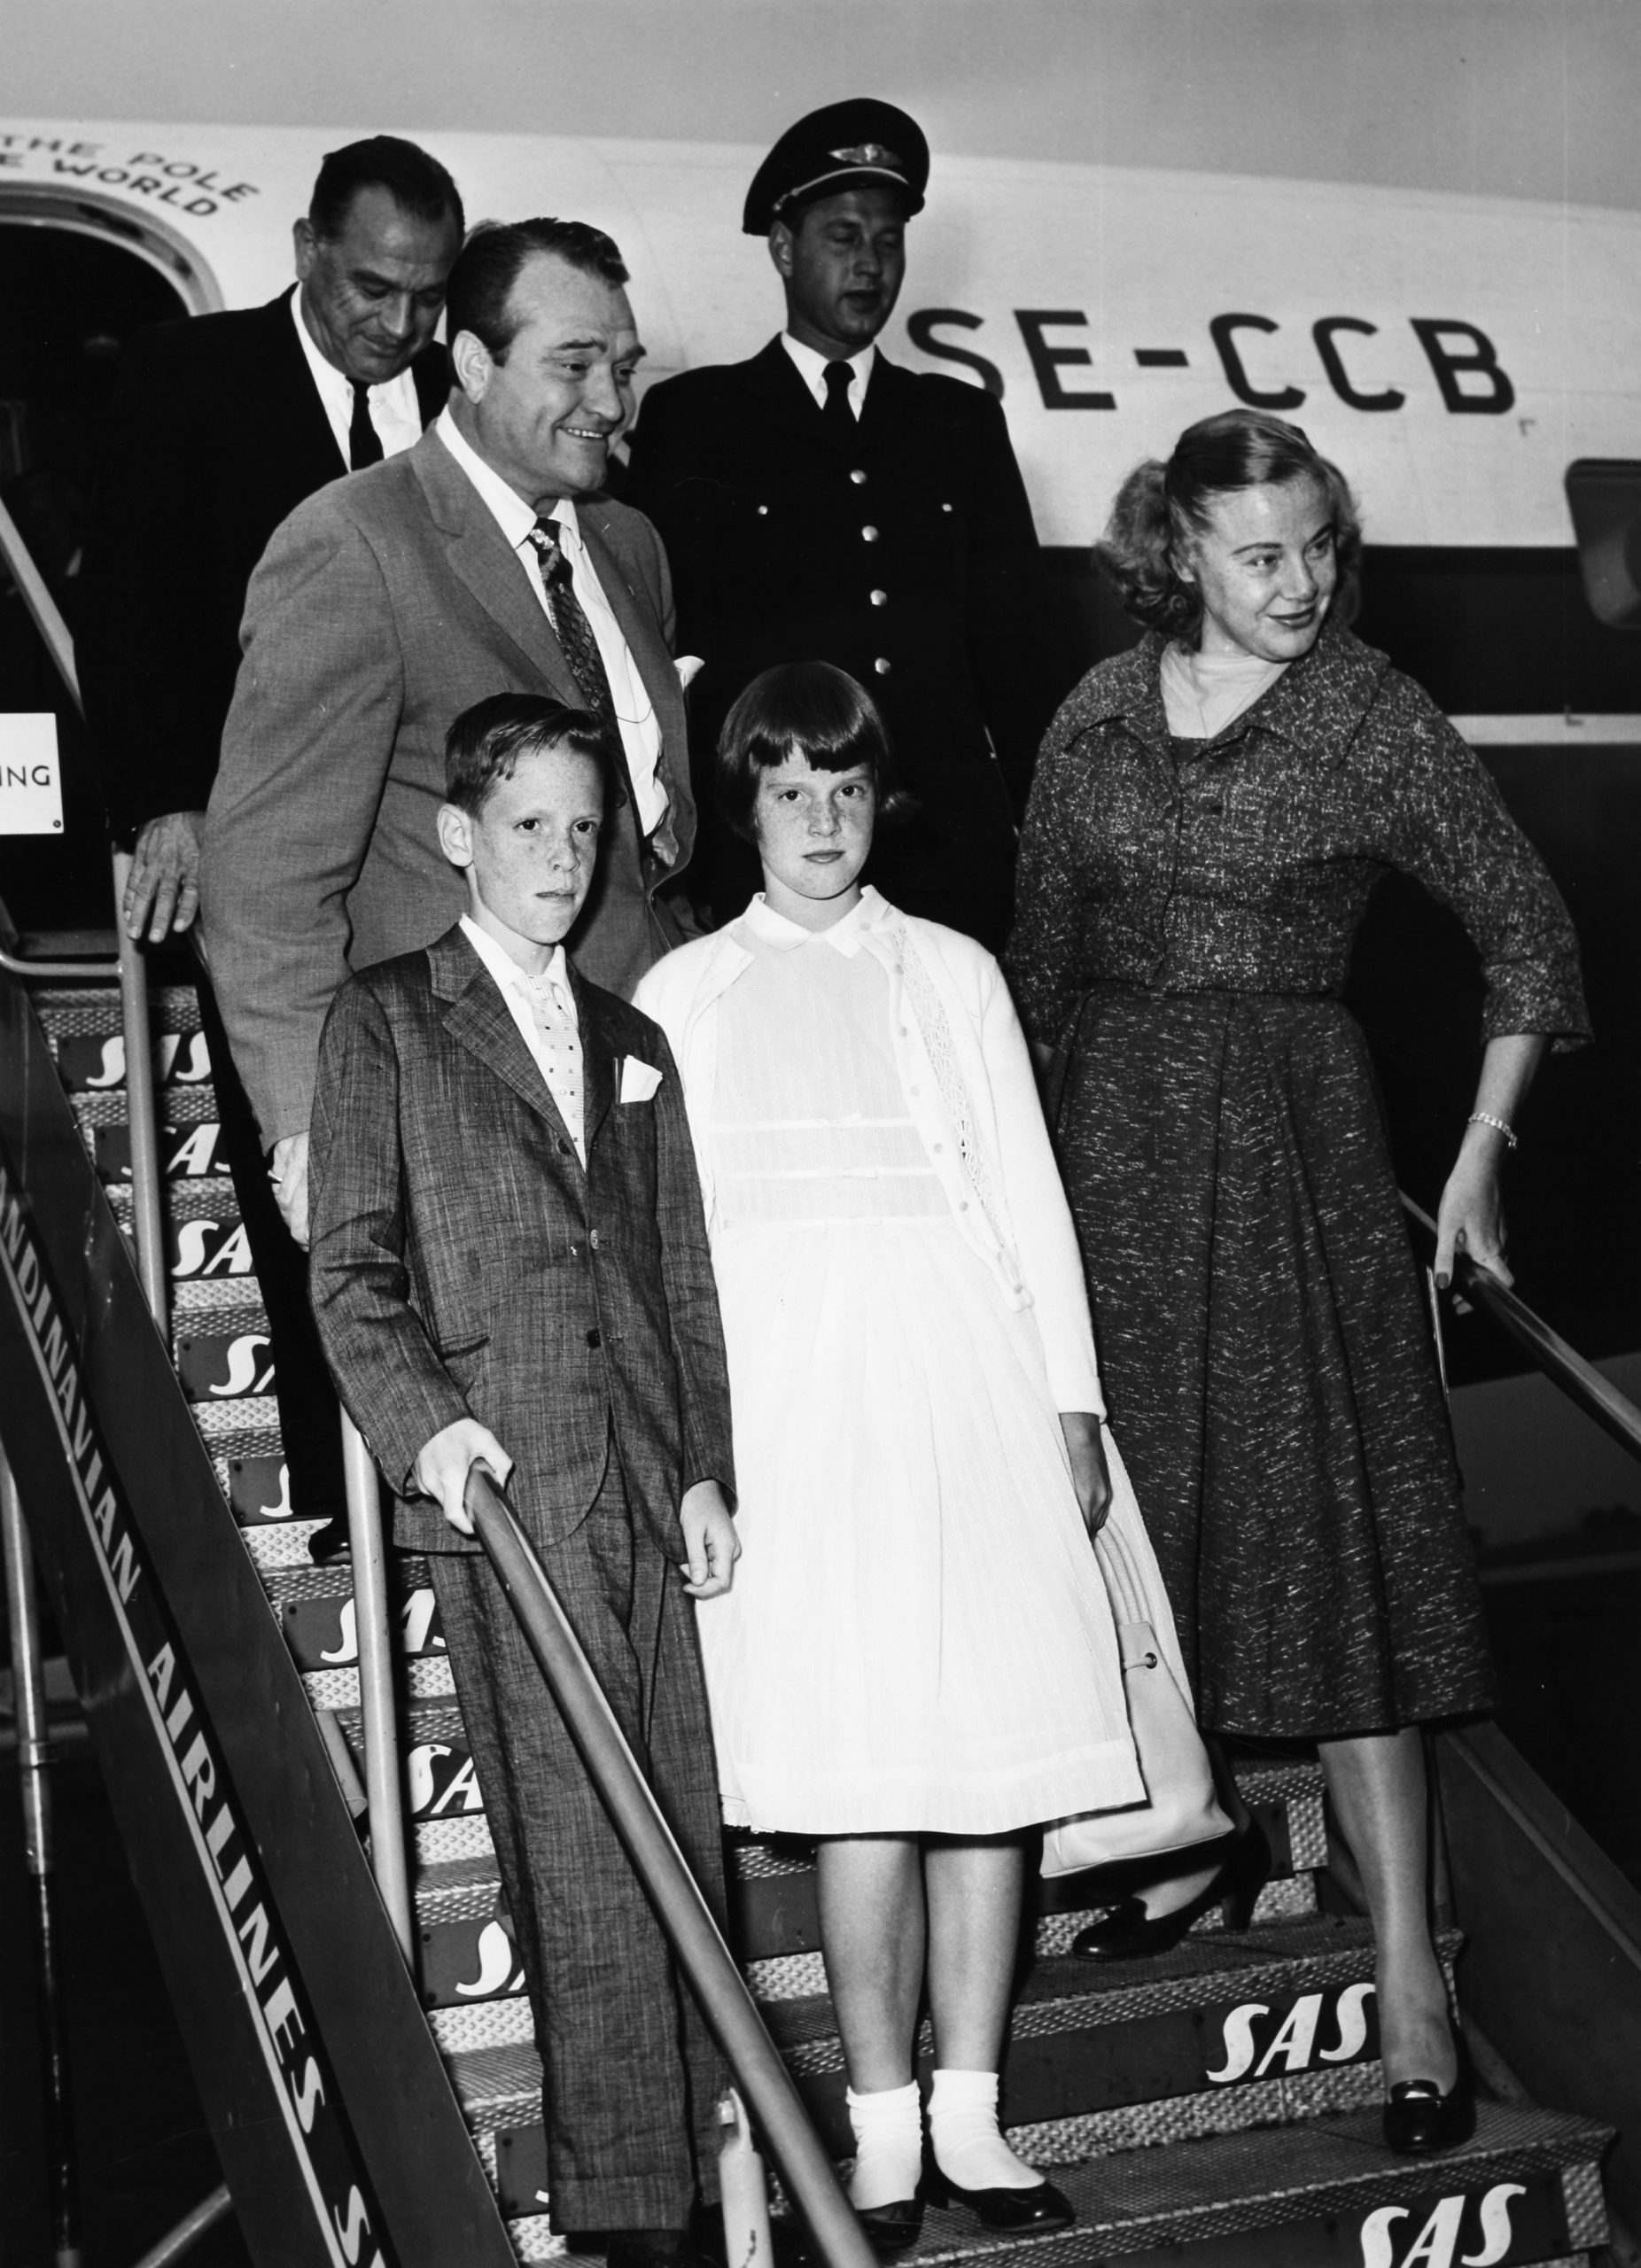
1272,2174
1283,1956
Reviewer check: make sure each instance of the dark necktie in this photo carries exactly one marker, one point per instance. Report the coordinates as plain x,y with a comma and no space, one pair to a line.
364,443
840,419
574,633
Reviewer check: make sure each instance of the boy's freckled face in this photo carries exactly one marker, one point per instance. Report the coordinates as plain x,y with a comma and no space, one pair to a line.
529,851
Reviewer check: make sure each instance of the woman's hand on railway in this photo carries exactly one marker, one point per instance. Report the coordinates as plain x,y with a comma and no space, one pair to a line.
1470,1218
710,1545
1091,1476
162,888
444,1464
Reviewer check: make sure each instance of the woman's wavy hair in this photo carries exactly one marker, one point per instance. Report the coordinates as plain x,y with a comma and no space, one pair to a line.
1160,506
809,709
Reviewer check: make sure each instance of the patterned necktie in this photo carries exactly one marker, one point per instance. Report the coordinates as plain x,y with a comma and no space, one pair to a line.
574,632
364,443
561,1044
840,419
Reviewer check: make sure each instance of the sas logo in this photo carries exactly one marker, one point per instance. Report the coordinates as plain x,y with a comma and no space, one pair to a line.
181,1059
442,1782
1395,2236
1261,2040
201,1248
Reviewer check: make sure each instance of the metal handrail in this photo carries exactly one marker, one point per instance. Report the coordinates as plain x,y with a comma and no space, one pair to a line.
1580,1380
683,1913
379,1720
147,1218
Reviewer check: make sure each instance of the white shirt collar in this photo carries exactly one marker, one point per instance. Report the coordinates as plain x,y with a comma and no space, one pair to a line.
845,936
506,970
507,507
810,368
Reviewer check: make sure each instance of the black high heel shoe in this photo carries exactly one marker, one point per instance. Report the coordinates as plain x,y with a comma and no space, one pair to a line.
1030,2211
1420,2119
1129,1933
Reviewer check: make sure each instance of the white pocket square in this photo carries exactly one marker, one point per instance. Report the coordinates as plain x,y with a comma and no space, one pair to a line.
639,1079
689,667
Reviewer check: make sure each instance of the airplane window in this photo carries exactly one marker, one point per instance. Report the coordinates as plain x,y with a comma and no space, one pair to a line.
1604,495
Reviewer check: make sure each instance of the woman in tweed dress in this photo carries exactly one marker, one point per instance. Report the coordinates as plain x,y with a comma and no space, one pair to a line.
1210,815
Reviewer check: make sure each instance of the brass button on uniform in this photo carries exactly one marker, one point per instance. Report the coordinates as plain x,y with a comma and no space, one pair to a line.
592,1240
881,666
868,535
880,598
945,508
858,477
763,511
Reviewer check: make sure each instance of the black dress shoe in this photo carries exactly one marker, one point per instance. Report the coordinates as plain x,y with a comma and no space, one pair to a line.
1420,2119
892,2228
1129,1933
1021,2210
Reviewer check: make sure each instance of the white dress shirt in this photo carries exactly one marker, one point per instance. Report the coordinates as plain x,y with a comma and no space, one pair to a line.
810,368
561,1068
641,727
394,410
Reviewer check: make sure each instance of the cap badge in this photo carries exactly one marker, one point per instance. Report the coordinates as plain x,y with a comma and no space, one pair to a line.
867,153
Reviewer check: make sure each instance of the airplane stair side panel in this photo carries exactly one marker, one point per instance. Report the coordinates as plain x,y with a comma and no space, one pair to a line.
334,2120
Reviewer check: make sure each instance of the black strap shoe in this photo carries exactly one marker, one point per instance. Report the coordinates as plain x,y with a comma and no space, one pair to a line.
1420,2119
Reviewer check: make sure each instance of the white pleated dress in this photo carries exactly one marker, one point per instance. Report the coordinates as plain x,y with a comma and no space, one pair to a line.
910,1640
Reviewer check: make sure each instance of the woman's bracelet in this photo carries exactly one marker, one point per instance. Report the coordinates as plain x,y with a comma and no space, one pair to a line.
1499,1125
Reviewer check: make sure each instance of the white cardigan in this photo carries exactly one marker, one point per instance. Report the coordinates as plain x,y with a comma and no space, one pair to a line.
966,1075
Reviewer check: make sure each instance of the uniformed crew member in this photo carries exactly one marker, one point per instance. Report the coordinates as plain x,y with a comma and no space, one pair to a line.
820,501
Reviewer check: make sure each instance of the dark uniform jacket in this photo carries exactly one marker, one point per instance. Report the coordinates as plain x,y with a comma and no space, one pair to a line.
215,434
909,560
465,1261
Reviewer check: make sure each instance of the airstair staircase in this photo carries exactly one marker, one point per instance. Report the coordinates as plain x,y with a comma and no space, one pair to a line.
1215,2108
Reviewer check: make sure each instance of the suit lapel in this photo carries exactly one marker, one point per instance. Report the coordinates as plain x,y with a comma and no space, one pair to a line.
598,1057
783,400
480,555
475,1015
890,405
299,429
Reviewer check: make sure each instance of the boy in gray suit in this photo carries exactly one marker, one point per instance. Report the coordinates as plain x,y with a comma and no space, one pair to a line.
510,1267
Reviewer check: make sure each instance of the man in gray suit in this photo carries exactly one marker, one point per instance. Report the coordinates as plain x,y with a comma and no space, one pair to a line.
510,1266
482,560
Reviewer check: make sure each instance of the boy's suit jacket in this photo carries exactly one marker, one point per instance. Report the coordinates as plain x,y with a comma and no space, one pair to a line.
382,607
464,1263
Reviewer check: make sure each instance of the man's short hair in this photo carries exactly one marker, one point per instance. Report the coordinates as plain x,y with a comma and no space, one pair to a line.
809,709
418,184
486,742
480,285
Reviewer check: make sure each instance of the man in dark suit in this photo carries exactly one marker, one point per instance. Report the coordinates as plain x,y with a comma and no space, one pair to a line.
510,1267
483,560
219,427
820,502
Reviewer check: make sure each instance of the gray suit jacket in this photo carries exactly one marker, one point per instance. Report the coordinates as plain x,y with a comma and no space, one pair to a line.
464,1262
382,608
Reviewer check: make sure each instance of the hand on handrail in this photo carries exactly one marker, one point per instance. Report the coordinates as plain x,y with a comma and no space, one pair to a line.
164,880
447,1464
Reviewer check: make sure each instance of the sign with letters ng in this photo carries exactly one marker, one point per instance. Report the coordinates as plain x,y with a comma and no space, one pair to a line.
31,778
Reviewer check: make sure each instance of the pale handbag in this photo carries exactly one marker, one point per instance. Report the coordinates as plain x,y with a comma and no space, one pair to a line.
1181,1809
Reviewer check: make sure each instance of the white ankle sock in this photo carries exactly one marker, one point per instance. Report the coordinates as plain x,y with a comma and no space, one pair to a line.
889,2144
962,2124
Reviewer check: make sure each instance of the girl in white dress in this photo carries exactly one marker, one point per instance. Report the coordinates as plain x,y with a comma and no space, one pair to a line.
917,1661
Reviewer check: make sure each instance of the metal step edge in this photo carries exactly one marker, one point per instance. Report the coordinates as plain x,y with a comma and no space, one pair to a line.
1314,2169
188,1102
1066,1996
427,1678
1059,2000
